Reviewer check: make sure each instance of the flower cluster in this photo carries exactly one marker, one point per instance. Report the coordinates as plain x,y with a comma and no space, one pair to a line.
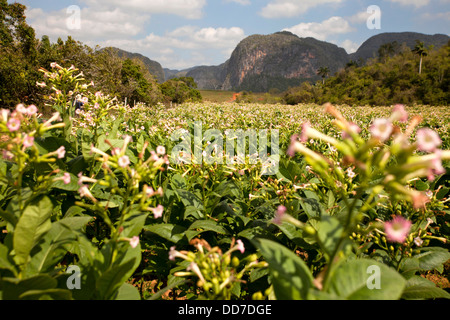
216,271
373,157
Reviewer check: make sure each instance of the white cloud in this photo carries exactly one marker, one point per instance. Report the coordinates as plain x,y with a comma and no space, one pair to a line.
322,30
436,16
196,43
415,3
292,8
360,17
349,46
93,24
190,9
241,2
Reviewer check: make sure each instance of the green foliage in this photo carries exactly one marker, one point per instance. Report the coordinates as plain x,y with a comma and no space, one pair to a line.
180,90
397,77
21,56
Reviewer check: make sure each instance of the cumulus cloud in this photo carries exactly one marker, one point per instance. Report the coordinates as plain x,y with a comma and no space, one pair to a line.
92,25
191,9
322,30
349,46
415,3
241,2
292,8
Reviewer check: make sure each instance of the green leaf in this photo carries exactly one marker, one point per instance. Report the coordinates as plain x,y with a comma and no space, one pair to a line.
329,231
421,288
291,277
49,294
312,208
54,245
178,181
289,170
71,186
5,262
173,233
442,193
190,199
128,292
13,288
33,223
365,279
133,224
124,265
204,225
432,258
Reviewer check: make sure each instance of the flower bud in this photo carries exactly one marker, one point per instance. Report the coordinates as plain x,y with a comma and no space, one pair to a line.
235,262
257,296
309,230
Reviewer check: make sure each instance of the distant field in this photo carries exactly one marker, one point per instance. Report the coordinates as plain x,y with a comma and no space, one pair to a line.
220,96
217,95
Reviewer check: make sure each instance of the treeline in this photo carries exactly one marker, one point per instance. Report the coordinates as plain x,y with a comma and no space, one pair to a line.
22,55
399,75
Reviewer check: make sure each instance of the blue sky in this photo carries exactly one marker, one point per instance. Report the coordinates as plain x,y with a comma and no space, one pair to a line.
185,33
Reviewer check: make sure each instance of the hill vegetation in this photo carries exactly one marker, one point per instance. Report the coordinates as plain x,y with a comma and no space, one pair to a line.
399,75
117,73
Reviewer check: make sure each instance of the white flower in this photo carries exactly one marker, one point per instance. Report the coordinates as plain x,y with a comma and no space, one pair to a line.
382,129
123,161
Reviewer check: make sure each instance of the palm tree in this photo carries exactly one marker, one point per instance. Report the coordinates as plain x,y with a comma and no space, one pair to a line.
421,51
323,72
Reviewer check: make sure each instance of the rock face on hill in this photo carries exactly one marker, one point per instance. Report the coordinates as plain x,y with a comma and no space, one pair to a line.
282,59
262,62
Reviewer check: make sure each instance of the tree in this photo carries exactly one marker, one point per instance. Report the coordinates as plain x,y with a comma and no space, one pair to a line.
323,72
421,51
17,56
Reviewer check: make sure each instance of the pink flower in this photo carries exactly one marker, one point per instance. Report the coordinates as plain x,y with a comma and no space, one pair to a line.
161,150
61,152
134,242
158,211
41,84
32,110
398,229
291,149
123,161
427,140
7,155
381,129
28,141
240,246
399,113
350,173
66,178
418,241
304,135
21,109
353,128
279,215
13,124
85,192
436,166
172,253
